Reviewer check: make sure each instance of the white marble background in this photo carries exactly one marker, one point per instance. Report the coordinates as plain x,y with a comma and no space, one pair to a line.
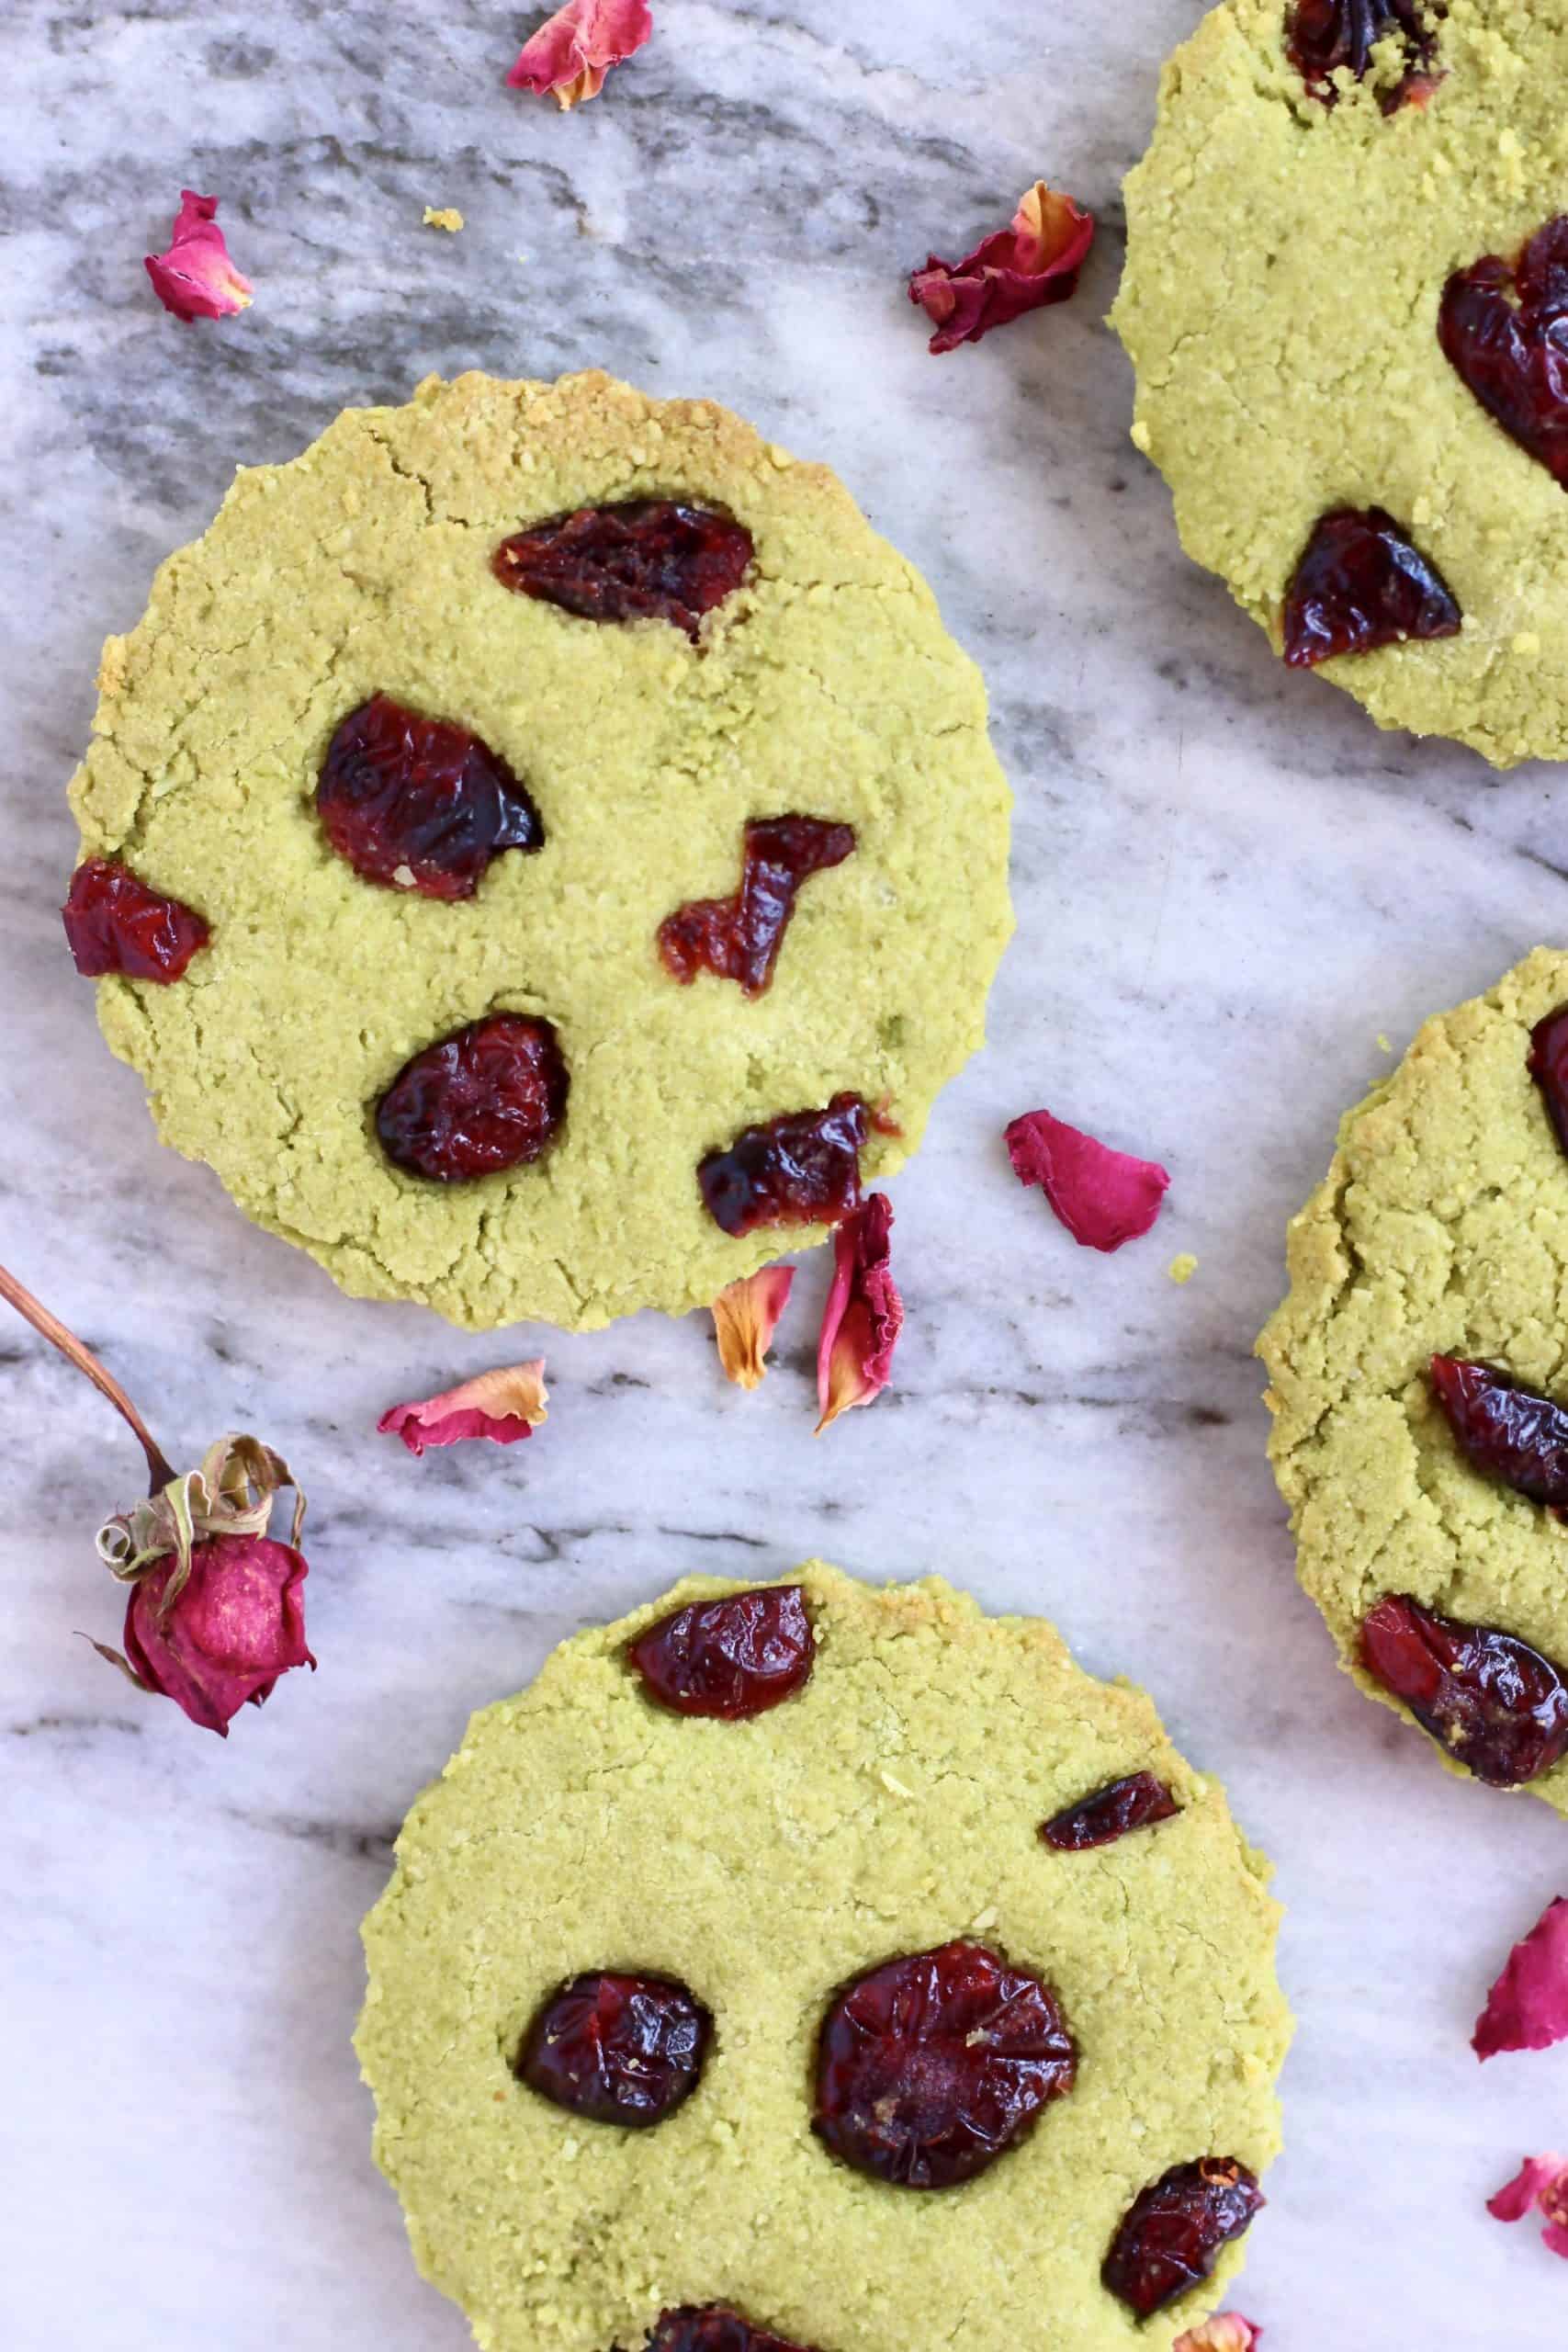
1228,885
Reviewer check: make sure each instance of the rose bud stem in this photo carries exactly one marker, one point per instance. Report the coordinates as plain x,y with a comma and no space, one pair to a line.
48,1326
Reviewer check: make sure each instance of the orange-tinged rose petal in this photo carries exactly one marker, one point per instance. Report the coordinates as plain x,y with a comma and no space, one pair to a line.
1226,2332
569,57
864,1314
505,1405
745,1316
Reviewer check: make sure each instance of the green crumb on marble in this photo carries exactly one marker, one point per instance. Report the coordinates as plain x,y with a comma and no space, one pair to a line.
1182,1268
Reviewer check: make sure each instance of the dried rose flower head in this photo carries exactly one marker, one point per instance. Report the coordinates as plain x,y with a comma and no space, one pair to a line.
214,1613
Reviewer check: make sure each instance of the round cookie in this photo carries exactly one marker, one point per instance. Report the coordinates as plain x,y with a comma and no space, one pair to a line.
1288,256
894,1803
1441,1230
824,685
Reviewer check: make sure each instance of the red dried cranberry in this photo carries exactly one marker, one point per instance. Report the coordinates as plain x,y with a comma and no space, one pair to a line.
1504,330
1173,2230
803,1168
1547,1063
1362,584
625,2049
491,1097
1499,1707
713,2328
731,1658
1110,1814
1325,35
115,923
929,2069
646,559
1511,1432
739,938
420,804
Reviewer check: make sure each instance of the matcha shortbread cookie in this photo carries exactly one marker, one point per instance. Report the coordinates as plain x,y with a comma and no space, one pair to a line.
572,787
1345,274
1419,1371
834,1957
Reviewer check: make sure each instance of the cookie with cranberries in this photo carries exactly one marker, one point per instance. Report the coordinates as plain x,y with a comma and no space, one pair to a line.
1419,1386
733,1945
1346,316
563,790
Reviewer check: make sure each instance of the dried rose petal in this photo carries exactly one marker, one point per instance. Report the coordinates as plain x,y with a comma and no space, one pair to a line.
569,57
1528,2007
745,1316
1540,2185
863,1316
235,1624
115,923
1226,2332
1034,262
194,278
505,1405
1103,1198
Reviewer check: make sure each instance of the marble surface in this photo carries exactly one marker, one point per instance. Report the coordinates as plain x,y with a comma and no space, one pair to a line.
1228,886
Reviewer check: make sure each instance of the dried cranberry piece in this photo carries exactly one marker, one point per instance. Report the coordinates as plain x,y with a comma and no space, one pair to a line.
1323,34
418,804
739,938
713,2328
1511,1432
646,559
1499,1707
1110,1814
731,1658
1504,330
1172,2230
625,2049
931,2067
803,1168
491,1097
115,923
1360,585
1547,1063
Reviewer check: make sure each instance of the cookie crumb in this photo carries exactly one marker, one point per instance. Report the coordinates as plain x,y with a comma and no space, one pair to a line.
1181,1269
447,218
1385,1043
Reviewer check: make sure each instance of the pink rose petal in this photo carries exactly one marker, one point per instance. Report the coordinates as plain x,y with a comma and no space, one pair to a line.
863,1316
745,1316
1226,2332
1528,2007
505,1405
194,278
1103,1198
1541,2182
569,57
237,1623
1034,262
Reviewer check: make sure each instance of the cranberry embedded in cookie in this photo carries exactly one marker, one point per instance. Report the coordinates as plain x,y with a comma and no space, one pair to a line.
491,1098
1361,583
1498,1707
1111,1812
1502,327
1326,37
803,1168
739,938
1547,1063
1510,1432
115,923
647,559
933,2066
1173,2230
416,804
616,2049
713,2328
729,1659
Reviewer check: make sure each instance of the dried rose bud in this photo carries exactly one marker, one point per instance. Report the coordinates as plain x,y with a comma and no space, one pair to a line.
1034,262
1103,1198
863,1316
1528,2007
214,1613
569,57
1540,2184
1226,2332
745,1316
503,1405
194,278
